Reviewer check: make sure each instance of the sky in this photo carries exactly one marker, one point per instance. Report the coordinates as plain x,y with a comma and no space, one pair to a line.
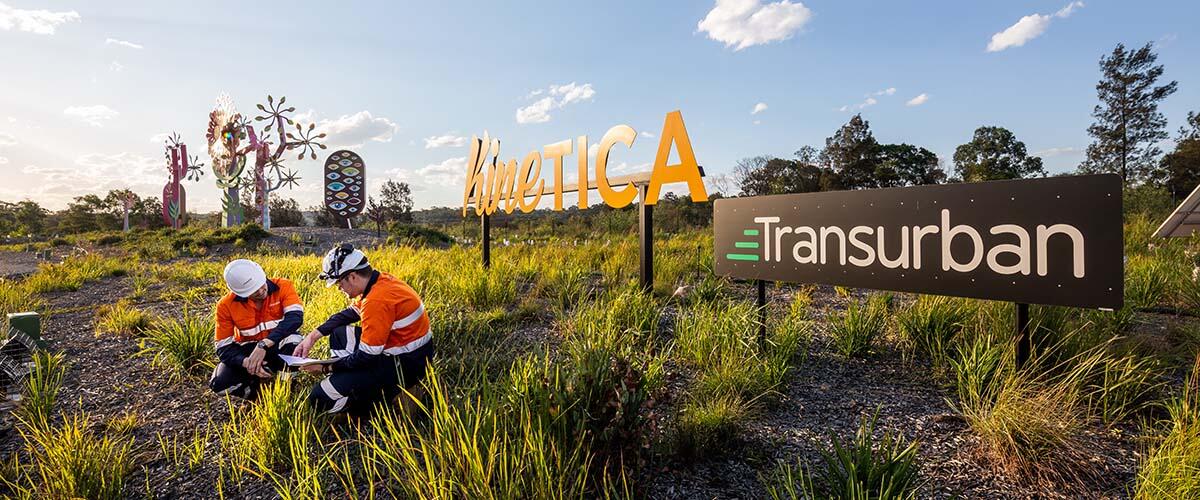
89,89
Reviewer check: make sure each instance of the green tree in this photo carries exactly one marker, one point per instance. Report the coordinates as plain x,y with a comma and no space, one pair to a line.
853,154
1193,121
30,217
763,175
396,200
87,213
995,153
907,165
1128,124
285,213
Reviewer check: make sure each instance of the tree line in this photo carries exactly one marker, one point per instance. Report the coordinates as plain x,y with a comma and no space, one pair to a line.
1126,134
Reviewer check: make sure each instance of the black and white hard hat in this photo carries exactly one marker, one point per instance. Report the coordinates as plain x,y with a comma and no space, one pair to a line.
341,260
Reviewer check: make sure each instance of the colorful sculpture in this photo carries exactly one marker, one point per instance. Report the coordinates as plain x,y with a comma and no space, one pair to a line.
226,131
345,184
127,202
179,167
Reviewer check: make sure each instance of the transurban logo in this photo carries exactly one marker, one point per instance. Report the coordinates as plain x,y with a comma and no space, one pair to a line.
960,248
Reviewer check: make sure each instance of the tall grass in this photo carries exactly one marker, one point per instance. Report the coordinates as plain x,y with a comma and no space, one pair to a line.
183,345
41,389
854,333
1172,469
70,460
276,439
121,318
74,461
471,450
931,324
72,273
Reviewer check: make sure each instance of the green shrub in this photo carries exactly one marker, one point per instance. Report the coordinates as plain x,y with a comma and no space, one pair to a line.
707,426
72,273
854,333
864,468
417,236
184,345
121,318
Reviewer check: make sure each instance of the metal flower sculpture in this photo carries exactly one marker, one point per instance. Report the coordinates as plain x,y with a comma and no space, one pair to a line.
179,167
227,130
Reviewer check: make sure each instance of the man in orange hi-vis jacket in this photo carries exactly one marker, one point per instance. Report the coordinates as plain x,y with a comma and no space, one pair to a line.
256,322
387,352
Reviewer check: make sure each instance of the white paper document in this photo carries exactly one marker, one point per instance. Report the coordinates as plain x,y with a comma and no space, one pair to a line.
298,361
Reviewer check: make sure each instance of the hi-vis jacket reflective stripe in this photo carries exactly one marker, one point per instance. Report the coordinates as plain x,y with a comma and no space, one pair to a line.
393,321
240,321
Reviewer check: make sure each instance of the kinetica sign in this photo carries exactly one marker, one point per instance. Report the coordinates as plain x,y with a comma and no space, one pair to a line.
1042,241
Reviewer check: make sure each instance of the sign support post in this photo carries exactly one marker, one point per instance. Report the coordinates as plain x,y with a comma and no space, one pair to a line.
485,223
1024,342
646,239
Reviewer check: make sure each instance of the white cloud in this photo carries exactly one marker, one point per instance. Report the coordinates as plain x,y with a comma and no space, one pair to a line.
350,131
869,100
1057,152
116,67
758,122
759,108
122,43
92,115
648,135
3,160
559,97
7,140
538,112
746,23
448,140
450,172
97,173
1028,28
918,100
160,138
41,22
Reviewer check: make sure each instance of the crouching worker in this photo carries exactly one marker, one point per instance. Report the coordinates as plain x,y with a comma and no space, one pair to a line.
386,353
256,322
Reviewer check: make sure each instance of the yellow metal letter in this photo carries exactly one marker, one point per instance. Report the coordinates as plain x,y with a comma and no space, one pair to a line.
531,168
582,152
556,152
686,171
616,199
475,177
507,183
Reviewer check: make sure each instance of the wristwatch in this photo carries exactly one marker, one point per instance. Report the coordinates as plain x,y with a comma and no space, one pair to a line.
265,344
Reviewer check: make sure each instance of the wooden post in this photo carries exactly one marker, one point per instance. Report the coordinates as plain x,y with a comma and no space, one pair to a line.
1024,342
486,228
646,237
762,312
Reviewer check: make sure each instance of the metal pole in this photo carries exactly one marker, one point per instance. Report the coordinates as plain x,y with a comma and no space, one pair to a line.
646,236
486,228
1024,342
762,312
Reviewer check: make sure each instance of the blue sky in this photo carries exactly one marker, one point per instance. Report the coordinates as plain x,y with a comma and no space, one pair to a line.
88,87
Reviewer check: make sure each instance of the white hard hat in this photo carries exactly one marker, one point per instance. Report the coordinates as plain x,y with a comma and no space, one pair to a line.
341,260
244,277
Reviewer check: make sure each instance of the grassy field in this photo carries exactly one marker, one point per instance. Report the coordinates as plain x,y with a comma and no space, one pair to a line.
557,377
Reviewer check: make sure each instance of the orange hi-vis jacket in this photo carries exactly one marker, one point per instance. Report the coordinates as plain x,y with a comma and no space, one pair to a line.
392,317
241,320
